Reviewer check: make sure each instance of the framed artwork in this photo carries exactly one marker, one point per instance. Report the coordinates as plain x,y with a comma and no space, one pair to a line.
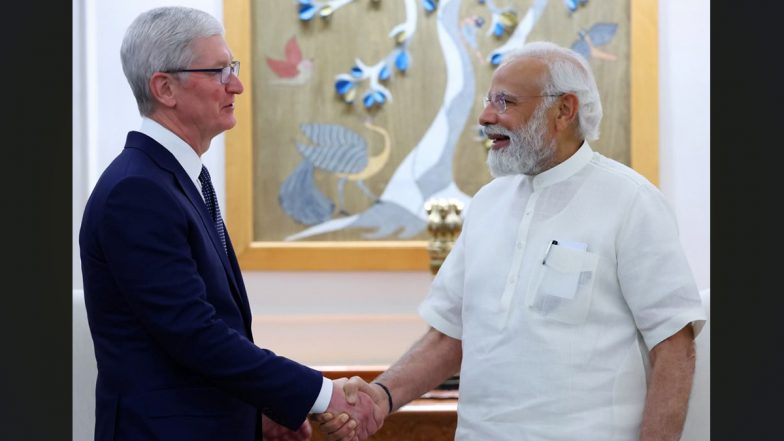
357,112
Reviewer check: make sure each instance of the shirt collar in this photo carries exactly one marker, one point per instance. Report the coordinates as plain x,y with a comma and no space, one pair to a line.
183,153
564,170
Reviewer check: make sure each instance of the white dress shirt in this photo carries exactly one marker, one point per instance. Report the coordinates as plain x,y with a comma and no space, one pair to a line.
191,163
182,151
556,335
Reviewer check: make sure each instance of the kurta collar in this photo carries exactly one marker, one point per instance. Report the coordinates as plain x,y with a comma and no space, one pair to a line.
564,170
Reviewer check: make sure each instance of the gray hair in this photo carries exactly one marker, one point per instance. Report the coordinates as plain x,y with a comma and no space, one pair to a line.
158,40
569,73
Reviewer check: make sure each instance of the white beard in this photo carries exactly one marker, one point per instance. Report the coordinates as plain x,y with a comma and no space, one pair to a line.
527,152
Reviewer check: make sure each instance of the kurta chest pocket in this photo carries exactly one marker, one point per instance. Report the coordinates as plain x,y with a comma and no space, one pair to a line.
564,283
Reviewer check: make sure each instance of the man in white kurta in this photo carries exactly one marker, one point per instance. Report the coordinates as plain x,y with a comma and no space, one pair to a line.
556,350
567,303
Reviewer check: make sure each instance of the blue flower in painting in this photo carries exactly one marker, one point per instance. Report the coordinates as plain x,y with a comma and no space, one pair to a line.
498,30
343,86
572,5
503,21
385,73
307,11
402,61
368,100
373,98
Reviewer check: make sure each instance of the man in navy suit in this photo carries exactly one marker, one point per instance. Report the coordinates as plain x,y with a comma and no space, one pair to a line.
166,303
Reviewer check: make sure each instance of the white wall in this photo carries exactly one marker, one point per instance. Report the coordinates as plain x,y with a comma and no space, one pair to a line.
684,93
106,111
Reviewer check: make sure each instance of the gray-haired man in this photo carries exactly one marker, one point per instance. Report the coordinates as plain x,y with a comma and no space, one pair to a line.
166,302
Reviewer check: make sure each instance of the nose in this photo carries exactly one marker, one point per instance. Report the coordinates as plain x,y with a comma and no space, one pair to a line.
234,85
488,116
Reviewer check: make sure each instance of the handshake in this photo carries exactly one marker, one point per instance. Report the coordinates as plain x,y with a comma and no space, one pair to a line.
356,411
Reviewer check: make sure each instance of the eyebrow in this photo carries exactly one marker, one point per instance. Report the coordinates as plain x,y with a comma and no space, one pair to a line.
222,64
505,95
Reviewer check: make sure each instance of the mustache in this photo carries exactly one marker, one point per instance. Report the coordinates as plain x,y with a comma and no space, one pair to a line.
497,130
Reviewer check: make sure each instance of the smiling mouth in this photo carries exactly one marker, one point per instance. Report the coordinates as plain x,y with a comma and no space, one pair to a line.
499,141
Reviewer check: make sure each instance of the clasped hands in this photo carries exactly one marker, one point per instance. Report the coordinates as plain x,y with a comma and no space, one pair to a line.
356,411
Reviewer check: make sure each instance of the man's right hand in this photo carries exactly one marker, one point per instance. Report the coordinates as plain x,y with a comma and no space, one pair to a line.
355,412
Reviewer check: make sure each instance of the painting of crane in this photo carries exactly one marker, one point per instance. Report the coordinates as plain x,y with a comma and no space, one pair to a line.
337,150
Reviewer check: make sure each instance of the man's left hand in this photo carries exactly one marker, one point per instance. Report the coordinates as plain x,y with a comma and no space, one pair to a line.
273,431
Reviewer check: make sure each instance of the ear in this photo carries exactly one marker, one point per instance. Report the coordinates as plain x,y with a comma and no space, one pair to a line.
163,88
566,111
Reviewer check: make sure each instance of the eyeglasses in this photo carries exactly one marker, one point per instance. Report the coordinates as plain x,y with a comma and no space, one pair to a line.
225,72
501,100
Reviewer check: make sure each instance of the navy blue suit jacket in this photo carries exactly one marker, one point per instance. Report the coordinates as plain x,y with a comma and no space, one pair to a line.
169,315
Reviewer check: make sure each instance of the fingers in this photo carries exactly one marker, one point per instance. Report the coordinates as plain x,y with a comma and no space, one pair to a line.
367,388
321,417
354,411
356,384
343,434
351,387
339,428
272,431
334,424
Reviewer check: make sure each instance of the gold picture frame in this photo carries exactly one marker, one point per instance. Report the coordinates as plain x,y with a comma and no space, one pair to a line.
399,255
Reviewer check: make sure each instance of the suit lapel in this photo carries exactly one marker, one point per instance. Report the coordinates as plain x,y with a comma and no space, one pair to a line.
244,303
166,160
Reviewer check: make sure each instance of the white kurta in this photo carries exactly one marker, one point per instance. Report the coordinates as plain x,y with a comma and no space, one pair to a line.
558,350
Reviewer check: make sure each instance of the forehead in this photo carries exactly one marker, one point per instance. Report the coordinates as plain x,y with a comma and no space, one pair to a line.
521,76
211,50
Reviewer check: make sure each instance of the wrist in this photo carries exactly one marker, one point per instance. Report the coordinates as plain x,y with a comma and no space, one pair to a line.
388,395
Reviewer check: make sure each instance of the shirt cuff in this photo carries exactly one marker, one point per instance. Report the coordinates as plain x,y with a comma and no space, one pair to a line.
324,397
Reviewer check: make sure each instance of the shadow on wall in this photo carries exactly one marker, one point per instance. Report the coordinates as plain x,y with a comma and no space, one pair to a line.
85,372
697,426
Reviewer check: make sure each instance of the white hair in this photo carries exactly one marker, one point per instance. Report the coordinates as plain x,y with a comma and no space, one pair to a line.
568,72
528,152
159,40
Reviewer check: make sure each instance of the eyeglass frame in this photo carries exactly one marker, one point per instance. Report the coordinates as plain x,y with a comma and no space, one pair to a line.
225,72
500,106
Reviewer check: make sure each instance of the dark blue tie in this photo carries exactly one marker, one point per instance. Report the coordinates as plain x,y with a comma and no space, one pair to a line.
208,191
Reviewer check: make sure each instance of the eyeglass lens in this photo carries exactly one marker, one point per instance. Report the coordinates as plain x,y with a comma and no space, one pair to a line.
498,102
233,68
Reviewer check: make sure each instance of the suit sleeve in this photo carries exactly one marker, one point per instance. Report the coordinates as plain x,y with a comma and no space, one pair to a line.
145,237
